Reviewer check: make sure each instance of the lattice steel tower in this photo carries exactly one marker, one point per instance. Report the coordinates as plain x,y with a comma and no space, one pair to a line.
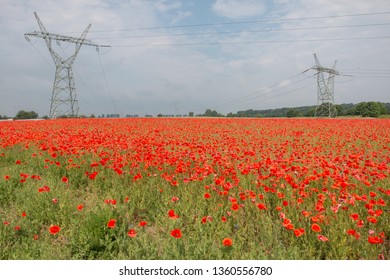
63,99
325,88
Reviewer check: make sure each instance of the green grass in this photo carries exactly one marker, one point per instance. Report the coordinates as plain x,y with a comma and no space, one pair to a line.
85,235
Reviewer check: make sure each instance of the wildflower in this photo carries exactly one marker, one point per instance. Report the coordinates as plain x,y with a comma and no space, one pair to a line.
111,223
64,179
261,206
175,199
16,228
355,216
54,229
375,240
172,215
316,228
44,189
207,195
322,238
176,233
142,223
132,233
7,177
54,200
227,242
23,214
206,218
235,207
80,207
299,232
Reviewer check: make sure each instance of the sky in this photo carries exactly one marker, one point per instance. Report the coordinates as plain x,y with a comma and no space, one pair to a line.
181,56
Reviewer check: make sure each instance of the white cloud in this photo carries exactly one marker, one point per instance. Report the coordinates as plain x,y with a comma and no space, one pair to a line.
236,9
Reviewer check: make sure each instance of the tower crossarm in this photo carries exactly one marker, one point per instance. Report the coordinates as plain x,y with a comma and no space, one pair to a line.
58,37
326,70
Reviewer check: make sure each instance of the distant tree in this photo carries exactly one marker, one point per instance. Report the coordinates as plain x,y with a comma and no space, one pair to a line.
24,115
92,116
191,114
159,115
340,110
370,109
212,113
292,113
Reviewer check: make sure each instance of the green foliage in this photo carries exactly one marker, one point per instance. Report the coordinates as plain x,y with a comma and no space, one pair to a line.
24,115
345,109
212,113
370,109
292,113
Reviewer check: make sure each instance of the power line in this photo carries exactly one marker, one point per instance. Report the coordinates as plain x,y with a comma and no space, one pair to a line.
240,22
252,42
240,31
270,95
262,90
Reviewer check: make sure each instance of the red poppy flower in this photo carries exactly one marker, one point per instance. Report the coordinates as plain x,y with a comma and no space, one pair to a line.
142,223
172,215
176,233
261,206
375,240
111,223
132,233
64,179
54,229
7,177
372,220
235,207
316,228
351,232
322,238
227,242
355,216
24,214
206,218
207,195
17,228
299,232
80,207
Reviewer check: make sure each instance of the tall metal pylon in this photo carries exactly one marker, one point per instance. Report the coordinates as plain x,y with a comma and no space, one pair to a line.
63,99
325,88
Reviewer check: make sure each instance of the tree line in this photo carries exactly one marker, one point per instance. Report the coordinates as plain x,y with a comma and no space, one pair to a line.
364,109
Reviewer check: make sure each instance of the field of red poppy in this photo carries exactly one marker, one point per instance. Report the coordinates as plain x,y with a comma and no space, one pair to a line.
195,188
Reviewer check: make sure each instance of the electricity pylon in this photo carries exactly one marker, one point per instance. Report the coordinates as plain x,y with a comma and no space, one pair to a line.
325,88
63,99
